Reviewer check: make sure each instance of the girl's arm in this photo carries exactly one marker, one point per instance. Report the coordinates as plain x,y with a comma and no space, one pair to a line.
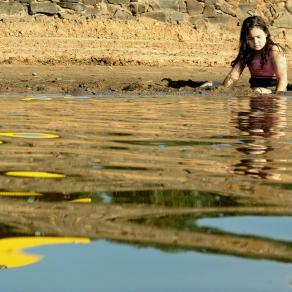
280,66
233,75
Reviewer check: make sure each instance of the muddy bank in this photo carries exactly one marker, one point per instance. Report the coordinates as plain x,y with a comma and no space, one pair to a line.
48,55
94,80
91,80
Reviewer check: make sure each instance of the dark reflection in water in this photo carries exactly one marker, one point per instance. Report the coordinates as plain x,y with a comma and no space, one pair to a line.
168,233
115,148
117,167
260,123
244,241
169,198
174,143
173,198
54,197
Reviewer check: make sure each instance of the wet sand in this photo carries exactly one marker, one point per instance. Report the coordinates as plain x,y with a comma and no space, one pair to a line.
96,80
91,80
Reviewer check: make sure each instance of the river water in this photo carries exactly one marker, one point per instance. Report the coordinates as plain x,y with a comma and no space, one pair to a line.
198,188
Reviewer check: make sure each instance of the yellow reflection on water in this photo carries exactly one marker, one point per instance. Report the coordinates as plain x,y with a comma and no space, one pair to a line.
36,98
81,200
20,194
13,256
29,135
34,174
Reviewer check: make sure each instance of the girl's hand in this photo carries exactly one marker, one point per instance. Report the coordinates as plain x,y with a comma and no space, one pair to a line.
263,90
233,75
280,65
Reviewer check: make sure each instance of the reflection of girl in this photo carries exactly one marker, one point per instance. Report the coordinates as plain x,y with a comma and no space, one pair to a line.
265,59
261,120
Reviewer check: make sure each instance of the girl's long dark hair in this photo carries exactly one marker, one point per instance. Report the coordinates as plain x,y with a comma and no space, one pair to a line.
246,54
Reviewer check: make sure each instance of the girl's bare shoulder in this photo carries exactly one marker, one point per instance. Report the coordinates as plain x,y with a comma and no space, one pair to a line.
277,52
276,48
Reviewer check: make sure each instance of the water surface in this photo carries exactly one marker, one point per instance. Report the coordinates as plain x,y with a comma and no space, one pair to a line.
191,193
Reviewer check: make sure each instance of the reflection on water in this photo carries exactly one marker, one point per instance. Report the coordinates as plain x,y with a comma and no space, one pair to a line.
29,135
105,266
261,121
172,198
153,169
13,254
250,236
278,228
169,198
122,144
34,174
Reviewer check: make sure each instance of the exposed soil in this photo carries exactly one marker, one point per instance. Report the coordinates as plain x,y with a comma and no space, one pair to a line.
90,80
47,55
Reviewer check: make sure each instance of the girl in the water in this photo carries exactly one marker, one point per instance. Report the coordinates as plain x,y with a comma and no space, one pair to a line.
265,59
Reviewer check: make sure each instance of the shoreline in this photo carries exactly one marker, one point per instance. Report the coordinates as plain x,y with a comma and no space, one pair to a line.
95,80
92,80
51,56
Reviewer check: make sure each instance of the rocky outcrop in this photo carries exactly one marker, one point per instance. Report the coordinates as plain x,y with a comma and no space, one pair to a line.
200,13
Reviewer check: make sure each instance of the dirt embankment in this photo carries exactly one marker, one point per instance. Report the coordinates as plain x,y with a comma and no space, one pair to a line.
108,42
89,56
